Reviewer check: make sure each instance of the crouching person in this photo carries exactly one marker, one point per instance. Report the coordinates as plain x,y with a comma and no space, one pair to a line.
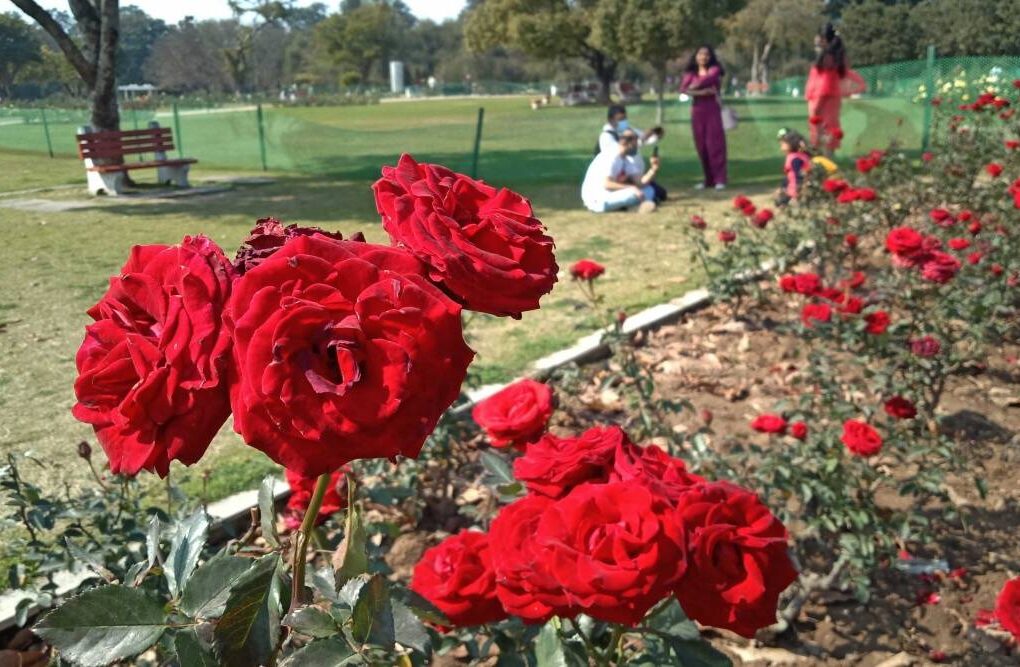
614,181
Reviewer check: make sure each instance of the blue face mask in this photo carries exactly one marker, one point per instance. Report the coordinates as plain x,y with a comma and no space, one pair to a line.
622,125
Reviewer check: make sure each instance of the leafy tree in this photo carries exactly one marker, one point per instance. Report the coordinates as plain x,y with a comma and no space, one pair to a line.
18,48
879,32
976,27
190,58
138,32
94,56
765,26
360,39
546,29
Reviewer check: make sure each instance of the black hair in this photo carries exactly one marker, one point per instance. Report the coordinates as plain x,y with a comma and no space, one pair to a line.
794,140
615,109
713,60
833,55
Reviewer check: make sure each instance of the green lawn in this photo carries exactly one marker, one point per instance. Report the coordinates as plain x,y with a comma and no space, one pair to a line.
56,263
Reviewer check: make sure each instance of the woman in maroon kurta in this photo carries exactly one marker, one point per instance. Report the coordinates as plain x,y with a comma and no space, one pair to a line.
702,80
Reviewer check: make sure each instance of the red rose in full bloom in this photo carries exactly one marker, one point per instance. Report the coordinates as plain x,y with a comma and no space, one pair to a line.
152,370
866,164
554,465
1012,144
799,430
860,438
457,577
900,408
727,236
737,563
801,283
850,240
301,491
762,218
586,269
994,169
904,242
996,269
665,475
959,243
974,257
815,312
847,196
482,245
941,217
611,551
1007,607
517,414
974,228
698,222
866,194
834,185
268,236
342,350
925,346
749,210
877,322
769,423
940,267
741,202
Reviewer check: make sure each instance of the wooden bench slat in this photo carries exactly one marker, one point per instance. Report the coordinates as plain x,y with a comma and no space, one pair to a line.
116,134
110,151
128,166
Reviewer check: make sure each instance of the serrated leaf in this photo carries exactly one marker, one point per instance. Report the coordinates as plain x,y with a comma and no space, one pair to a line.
323,580
267,511
104,625
90,561
497,467
311,621
424,609
698,653
333,652
249,629
208,588
408,629
548,648
185,548
351,557
191,652
372,614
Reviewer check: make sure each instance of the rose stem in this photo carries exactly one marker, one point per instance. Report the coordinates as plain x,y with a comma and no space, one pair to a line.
301,541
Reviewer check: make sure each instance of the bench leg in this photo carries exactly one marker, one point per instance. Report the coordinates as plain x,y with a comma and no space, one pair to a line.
111,183
174,175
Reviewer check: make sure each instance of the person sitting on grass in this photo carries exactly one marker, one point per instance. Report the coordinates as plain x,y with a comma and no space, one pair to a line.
614,182
609,137
798,162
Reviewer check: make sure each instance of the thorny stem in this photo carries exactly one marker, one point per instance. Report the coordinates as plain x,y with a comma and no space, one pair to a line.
301,539
21,507
95,474
808,585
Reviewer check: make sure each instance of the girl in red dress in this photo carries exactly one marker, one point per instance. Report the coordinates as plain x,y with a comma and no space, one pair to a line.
829,81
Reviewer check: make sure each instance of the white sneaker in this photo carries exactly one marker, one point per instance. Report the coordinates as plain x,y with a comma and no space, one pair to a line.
720,186
647,207
699,186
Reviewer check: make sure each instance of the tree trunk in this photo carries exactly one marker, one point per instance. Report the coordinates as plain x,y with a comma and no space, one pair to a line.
755,63
605,70
661,90
765,65
105,113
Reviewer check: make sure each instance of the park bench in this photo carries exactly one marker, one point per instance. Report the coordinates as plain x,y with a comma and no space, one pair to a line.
104,154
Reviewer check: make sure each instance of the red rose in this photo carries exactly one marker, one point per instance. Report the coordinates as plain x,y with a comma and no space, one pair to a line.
342,350
847,196
553,465
904,241
974,227
941,217
769,423
517,414
737,559
964,215
698,222
927,156
996,269
586,269
900,408
762,218
727,236
1012,144
925,346
1007,607
799,430
866,194
741,202
484,246
856,279
457,577
940,267
994,169
301,491
974,258
268,236
607,550
866,164
665,475
815,312
877,322
860,438
834,185
152,369
748,210
801,283
850,240
959,244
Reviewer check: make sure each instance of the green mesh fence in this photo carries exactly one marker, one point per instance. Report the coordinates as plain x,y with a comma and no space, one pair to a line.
519,145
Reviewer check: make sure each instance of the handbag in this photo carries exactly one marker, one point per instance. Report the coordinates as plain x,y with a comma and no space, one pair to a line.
729,116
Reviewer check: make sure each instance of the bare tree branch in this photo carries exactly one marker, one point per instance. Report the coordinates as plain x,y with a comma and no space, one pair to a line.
89,23
85,69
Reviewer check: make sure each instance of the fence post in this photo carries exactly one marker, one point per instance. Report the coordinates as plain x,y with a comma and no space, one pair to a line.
262,135
46,131
177,132
478,143
134,116
929,87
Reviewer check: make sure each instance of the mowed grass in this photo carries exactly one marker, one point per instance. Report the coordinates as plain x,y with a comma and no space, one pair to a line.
56,264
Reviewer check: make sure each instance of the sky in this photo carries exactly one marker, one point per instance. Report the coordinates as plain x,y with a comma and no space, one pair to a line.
173,11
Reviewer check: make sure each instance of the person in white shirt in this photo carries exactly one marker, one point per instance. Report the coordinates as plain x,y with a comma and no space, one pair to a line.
617,123
613,180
